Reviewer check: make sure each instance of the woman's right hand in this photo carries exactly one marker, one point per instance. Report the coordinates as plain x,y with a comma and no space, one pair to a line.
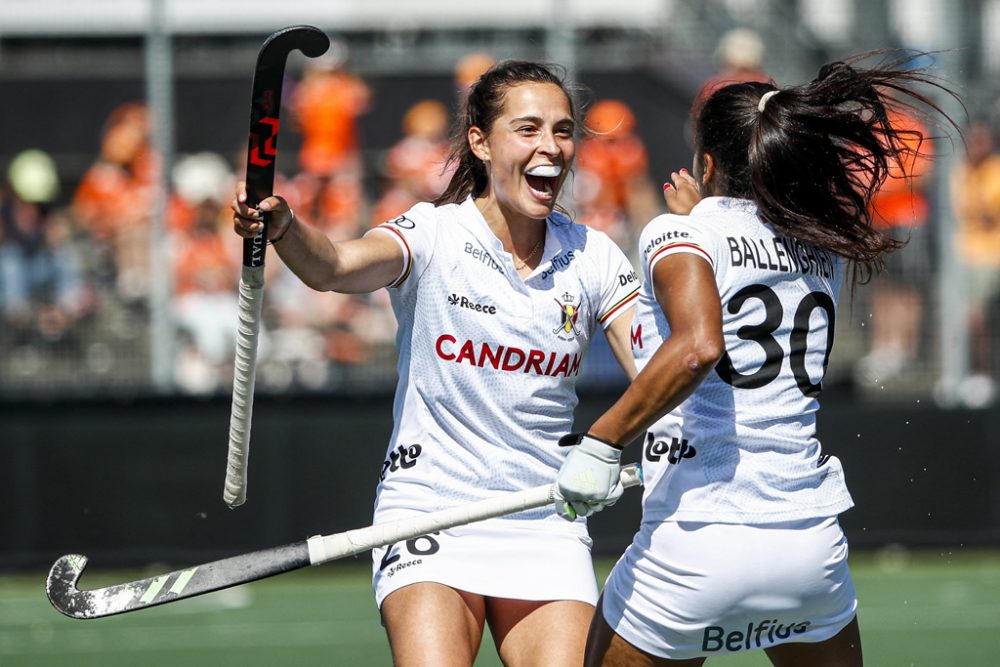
247,221
682,195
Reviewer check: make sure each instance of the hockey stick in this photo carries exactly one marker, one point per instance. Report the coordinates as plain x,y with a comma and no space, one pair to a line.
265,106
182,584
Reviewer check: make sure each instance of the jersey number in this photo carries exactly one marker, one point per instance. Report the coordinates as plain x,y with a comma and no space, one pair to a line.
763,335
420,546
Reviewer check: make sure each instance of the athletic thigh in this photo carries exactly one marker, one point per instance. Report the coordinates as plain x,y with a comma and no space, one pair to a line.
533,633
841,650
605,648
429,624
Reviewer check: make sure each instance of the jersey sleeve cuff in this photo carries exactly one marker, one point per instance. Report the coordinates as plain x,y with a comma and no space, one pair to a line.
407,253
607,318
675,248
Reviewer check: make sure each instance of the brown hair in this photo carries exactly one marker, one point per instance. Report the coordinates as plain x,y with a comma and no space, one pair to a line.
482,106
812,157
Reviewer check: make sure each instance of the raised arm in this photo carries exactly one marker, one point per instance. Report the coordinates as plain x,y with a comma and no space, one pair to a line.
359,265
686,290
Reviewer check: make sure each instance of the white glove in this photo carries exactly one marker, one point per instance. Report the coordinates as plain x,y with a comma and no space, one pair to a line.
590,477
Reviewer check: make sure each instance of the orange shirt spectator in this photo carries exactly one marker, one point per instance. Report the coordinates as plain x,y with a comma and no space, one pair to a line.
327,104
975,189
902,200
614,191
205,259
415,167
114,192
614,153
469,68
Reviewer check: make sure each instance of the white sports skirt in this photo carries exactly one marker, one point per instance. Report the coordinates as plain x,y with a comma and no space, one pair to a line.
685,589
494,558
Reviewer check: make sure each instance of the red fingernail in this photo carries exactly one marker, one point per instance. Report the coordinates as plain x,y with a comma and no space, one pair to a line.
683,170
667,186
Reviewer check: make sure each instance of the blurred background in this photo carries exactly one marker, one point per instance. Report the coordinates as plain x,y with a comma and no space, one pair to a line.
125,125
124,129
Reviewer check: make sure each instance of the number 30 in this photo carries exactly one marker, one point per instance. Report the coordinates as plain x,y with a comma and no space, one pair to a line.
762,334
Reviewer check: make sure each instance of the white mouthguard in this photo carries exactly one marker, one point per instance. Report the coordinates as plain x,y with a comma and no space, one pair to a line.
546,170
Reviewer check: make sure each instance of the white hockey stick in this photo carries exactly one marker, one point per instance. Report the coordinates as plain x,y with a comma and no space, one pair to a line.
61,585
244,373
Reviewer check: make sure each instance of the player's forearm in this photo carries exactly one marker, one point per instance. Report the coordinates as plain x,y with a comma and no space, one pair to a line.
671,375
331,267
309,254
355,266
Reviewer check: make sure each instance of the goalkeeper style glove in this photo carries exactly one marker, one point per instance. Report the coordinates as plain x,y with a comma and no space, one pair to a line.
590,477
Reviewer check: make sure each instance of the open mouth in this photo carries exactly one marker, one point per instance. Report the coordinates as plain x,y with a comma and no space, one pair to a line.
542,179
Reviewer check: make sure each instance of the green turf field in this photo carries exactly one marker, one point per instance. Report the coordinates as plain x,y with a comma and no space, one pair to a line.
935,609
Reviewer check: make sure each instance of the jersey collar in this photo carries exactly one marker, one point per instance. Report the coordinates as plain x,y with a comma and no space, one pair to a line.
477,225
724,204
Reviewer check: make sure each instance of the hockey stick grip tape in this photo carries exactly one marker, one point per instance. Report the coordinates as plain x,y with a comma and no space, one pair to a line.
244,371
323,548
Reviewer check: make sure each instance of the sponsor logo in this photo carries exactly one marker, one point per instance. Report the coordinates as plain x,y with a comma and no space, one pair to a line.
402,222
418,547
559,262
456,300
393,569
666,236
756,635
257,244
483,257
626,278
263,143
676,450
570,313
506,358
401,457
176,588
637,336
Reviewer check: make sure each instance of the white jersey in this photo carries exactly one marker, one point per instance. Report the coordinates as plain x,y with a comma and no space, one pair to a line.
742,447
488,361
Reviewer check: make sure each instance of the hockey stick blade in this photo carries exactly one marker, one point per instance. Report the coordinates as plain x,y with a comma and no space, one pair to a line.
262,153
67,598
61,584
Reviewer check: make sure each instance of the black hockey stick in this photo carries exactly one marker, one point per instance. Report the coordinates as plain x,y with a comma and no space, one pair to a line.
262,150
182,584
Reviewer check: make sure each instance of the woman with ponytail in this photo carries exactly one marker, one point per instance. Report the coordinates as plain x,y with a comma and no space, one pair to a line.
497,297
740,546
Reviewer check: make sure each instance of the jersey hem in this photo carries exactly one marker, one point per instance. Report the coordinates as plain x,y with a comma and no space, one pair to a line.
715,516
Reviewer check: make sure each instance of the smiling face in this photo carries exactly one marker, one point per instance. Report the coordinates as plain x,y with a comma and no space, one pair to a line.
528,151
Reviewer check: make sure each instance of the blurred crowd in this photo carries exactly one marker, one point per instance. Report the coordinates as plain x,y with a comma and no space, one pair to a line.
75,266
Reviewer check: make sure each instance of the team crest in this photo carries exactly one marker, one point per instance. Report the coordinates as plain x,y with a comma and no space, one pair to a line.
569,312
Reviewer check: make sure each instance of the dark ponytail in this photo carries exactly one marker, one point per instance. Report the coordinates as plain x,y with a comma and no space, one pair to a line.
812,157
482,106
